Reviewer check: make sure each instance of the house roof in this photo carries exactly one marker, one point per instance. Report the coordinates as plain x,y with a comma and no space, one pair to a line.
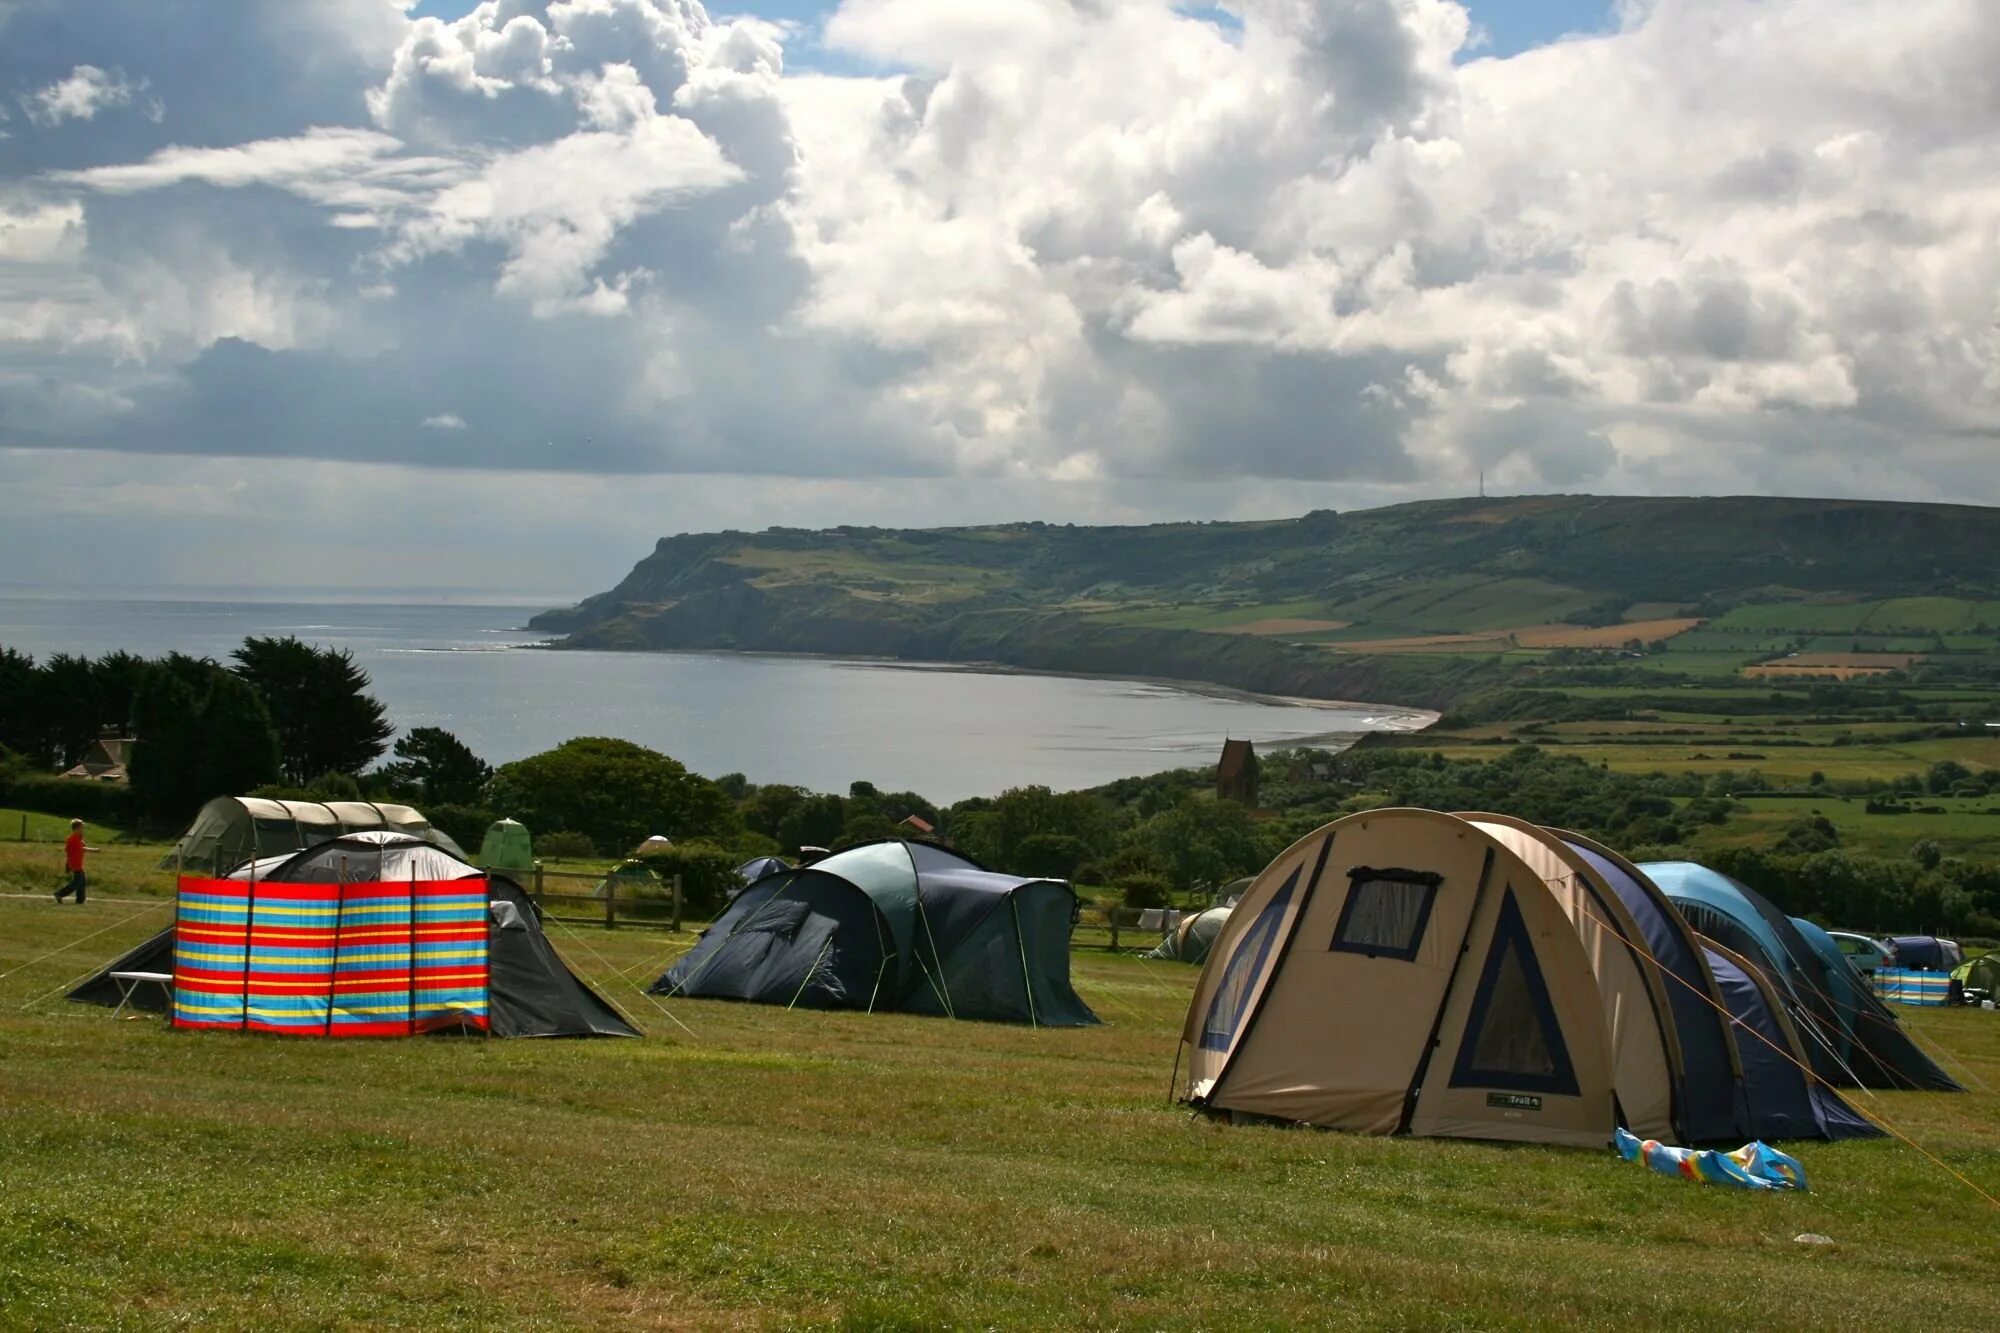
1237,757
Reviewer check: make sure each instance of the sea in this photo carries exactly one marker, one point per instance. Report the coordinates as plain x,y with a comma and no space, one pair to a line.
467,664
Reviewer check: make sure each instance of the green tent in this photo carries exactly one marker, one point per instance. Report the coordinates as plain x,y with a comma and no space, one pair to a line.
1190,941
634,879
507,846
1979,974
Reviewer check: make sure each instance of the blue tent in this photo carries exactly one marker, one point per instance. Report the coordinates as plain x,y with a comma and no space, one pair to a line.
1884,1056
1820,990
1745,922
893,925
1783,1102
759,866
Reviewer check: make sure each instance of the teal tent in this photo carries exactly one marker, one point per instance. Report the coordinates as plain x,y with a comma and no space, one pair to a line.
893,925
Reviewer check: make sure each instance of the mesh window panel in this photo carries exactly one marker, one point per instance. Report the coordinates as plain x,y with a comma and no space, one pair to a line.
1513,1039
1385,913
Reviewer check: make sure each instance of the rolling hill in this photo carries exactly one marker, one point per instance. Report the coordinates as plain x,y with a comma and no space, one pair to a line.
1424,603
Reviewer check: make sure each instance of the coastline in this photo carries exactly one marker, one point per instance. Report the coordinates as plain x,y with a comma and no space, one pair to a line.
1400,719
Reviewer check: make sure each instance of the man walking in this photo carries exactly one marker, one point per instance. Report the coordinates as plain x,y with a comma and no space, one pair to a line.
73,850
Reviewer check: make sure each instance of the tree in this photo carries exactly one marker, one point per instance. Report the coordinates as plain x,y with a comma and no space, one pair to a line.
1926,853
613,792
315,695
441,767
1203,841
203,733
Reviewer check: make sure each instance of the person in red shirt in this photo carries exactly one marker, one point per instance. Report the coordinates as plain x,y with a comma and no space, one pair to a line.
73,850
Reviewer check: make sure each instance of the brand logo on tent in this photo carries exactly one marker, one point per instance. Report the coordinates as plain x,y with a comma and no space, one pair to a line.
1513,1101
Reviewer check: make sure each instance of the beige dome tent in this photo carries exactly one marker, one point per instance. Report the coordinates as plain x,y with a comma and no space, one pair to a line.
231,830
657,843
1404,971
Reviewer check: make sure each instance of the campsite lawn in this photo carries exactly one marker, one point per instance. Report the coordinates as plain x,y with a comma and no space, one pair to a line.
760,1167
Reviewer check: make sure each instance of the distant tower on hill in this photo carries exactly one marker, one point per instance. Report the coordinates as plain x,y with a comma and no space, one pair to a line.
1236,774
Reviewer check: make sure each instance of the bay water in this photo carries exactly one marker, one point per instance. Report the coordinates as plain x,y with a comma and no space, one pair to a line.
465,664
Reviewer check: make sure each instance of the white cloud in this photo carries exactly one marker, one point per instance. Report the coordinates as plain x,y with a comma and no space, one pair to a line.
1730,244
82,93
444,421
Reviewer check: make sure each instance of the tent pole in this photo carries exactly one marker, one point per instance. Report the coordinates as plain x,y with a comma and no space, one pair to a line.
411,1007
809,973
249,927
333,963
1021,948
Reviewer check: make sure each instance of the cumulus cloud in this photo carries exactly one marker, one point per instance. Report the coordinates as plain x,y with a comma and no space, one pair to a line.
82,93
1727,244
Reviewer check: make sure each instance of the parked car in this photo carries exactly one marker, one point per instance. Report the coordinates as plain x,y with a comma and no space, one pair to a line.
1864,954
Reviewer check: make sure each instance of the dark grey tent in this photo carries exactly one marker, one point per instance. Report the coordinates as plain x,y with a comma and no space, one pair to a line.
893,925
759,866
530,991
1782,1101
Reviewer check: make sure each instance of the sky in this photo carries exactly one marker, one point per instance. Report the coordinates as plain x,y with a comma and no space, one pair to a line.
338,293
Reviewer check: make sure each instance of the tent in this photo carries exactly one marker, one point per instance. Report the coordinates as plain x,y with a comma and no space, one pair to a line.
1403,971
1711,1104
1981,974
759,866
1782,1100
893,925
632,879
1926,953
1482,978
1190,941
659,842
529,991
507,846
231,830
1852,1037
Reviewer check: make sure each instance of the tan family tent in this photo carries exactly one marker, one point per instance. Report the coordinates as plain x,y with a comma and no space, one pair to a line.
1404,971
1476,976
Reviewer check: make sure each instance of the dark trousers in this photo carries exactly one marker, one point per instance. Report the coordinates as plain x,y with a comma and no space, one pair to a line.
76,886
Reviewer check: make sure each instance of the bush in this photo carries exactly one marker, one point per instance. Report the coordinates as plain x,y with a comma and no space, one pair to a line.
99,802
564,846
707,871
1145,891
465,825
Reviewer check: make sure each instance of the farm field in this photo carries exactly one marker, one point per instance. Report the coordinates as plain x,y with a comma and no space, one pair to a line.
1968,827
764,1168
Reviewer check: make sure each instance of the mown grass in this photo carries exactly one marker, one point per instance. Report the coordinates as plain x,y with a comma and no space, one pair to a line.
765,1168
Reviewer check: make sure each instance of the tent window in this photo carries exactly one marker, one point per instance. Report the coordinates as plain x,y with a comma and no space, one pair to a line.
1512,1037
1385,912
1232,997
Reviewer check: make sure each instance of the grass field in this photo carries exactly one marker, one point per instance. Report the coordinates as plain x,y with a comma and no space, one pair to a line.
764,1168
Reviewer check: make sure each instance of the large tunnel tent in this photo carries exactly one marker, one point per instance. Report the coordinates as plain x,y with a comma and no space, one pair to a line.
232,830
1853,1039
893,925
530,991
1783,1100
1711,1098
1402,971
1191,939
1647,1073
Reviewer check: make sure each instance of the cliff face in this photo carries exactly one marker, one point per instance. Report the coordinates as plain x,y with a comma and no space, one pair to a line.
1188,601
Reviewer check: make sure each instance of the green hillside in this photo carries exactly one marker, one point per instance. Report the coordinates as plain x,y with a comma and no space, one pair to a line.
1426,603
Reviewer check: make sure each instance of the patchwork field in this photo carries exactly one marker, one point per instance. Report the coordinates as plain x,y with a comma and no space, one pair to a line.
749,1167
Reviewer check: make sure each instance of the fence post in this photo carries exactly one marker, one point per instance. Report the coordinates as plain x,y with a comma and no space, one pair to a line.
538,883
1111,915
24,828
611,903
677,902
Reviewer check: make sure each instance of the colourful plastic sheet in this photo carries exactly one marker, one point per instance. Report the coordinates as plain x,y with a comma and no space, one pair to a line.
1751,1167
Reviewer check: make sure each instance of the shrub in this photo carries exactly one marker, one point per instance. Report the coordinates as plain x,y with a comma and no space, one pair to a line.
72,798
565,846
707,871
465,825
1145,891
